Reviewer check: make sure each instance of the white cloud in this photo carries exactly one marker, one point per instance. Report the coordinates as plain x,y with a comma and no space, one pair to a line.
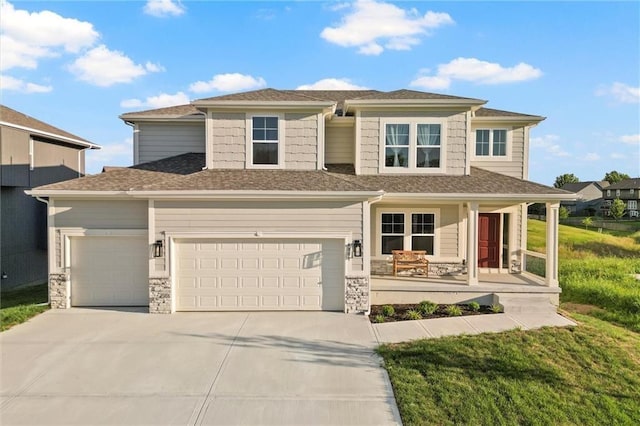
620,92
591,156
111,154
332,84
550,145
476,71
103,67
159,101
631,139
163,8
231,82
617,156
14,84
370,24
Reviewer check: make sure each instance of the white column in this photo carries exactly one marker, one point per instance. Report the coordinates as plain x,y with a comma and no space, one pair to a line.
472,243
551,275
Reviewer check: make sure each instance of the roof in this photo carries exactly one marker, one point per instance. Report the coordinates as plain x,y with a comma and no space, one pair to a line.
11,117
579,186
490,112
184,173
177,111
626,184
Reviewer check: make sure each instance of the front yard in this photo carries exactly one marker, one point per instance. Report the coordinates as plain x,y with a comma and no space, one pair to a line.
17,306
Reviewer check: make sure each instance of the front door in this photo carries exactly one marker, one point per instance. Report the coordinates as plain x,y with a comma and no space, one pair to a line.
488,240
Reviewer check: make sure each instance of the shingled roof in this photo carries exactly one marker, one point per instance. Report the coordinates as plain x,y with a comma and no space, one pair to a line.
626,184
490,112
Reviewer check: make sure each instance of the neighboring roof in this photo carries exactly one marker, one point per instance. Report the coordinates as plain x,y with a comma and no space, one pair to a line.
12,118
579,186
626,184
490,112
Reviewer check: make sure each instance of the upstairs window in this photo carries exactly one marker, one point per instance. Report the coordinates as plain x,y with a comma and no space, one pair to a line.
617,192
412,145
397,145
428,149
264,140
608,193
491,143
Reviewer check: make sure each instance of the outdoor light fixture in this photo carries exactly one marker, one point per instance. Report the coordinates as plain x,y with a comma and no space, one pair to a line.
4,275
158,249
357,248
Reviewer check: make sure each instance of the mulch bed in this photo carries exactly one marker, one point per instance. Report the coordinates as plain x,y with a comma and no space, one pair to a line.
401,312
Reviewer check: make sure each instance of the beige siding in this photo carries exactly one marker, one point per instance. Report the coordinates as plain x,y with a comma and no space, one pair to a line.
301,141
455,144
162,140
514,167
286,217
228,140
339,145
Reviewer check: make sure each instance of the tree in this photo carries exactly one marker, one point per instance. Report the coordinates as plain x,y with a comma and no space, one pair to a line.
617,208
587,222
564,179
563,212
614,177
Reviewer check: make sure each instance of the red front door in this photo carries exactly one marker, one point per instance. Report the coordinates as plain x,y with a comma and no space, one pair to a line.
488,240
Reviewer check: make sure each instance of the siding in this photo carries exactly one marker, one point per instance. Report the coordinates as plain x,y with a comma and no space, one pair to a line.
299,217
161,140
512,168
339,145
301,141
370,139
228,140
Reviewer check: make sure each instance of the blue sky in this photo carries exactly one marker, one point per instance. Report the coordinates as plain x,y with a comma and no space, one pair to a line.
78,65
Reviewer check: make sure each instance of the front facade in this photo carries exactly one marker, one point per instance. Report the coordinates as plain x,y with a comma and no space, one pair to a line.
33,153
294,200
590,201
628,191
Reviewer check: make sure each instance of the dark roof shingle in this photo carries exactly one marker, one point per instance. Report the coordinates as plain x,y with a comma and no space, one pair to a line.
626,184
17,118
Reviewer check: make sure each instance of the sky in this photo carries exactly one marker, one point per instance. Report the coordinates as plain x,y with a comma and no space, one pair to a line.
78,65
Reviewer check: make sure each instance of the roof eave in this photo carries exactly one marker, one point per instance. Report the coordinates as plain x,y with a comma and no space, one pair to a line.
262,104
406,103
196,117
520,198
50,135
509,119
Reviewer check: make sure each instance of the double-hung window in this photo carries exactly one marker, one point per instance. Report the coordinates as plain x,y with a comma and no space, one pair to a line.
265,140
407,230
491,143
633,205
412,145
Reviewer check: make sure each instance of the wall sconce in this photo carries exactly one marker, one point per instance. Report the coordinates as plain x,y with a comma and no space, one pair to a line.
4,275
158,249
357,248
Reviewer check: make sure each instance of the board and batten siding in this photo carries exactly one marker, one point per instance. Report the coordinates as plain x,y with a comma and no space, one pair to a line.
94,214
162,140
514,167
244,217
370,138
339,145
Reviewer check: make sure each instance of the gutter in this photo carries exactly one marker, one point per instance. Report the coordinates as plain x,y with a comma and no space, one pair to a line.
52,135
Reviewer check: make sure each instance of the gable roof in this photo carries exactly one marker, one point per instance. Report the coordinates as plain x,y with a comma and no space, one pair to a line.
176,111
579,186
12,118
490,112
626,184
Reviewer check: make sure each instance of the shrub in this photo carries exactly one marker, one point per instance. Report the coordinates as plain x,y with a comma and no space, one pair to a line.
474,306
379,318
496,309
427,308
388,310
413,315
453,310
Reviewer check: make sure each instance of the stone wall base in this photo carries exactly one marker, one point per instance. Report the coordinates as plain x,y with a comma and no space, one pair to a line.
159,295
384,267
356,299
58,286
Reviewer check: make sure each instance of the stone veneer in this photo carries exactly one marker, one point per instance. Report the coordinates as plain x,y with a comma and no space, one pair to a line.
356,298
160,295
58,291
385,267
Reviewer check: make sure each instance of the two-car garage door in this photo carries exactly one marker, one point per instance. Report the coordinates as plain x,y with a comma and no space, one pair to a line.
224,275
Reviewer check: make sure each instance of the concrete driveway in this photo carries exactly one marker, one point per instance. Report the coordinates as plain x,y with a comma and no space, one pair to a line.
97,366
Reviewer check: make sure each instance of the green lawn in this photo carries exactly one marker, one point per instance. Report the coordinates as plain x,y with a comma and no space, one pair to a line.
17,306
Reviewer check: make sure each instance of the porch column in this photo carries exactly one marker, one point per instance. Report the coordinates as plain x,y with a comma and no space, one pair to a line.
472,243
551,273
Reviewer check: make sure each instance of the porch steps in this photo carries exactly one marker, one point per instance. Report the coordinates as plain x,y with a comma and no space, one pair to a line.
526,304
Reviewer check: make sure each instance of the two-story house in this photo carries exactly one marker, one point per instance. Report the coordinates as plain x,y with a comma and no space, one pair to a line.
628,191
590,193
294,200
32,153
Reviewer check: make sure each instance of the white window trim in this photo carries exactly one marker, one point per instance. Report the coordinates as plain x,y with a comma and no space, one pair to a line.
608,193
632,205
407,228
617,192
249,141
413,145
492,157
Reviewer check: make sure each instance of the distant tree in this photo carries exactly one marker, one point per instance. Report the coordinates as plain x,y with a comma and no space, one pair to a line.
587,222
614,177
563,212
564,179
537,209
617,208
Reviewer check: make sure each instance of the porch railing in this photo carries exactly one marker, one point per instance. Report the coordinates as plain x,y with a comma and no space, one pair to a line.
534,263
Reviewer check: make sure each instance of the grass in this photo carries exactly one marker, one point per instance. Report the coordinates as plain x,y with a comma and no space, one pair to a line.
586,375
17,306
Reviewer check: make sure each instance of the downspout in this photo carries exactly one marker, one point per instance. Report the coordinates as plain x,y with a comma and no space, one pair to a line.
80,168
136,131
42,200
321,149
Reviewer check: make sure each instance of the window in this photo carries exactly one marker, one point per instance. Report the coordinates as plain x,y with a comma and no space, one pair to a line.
407,231
617,192
608,193
631,191
265,140
633,205
413,145
491,143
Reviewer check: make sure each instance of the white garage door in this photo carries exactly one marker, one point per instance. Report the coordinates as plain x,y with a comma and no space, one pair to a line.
109,271
260,275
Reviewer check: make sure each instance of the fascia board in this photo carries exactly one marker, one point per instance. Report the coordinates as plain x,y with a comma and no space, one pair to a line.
263,104
412,103
482,197
258,195
508,120
75,193
199,117
51,135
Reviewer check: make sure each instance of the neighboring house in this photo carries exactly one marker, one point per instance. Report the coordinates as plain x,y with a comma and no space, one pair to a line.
590,201
32,154
628,191
294,200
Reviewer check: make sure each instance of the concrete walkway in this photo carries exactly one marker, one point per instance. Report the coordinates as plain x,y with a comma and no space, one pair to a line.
402,331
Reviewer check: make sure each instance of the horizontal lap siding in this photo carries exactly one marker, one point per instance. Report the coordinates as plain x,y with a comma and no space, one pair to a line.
157,141
512,168
243,217
339,145
228,140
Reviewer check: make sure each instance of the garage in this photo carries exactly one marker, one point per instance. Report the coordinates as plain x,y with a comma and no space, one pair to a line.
109,271
260,274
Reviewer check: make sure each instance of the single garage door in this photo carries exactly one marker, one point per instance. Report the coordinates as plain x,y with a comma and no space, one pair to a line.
249,275
109,271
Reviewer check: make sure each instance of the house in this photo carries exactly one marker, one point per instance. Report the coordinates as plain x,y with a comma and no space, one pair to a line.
590,201
628,191
294,200
33,153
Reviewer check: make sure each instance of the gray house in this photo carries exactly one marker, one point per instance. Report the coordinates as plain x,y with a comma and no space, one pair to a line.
628,191
295,200
33,153
590,201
